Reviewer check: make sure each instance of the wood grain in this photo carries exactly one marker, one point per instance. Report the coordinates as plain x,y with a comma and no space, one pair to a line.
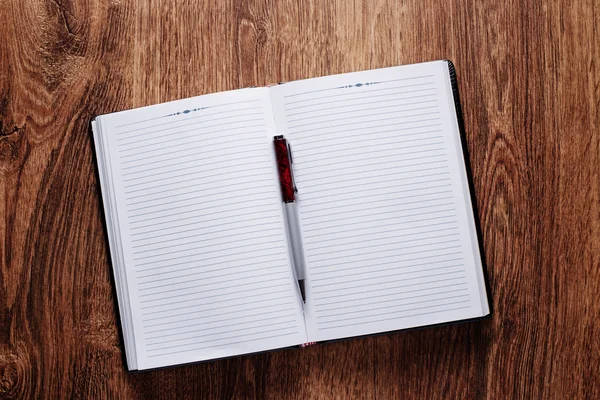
529,78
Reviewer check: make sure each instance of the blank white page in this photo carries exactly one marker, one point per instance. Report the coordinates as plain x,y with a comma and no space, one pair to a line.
385,213
204,248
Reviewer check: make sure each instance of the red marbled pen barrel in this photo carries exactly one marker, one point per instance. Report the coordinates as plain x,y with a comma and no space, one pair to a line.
284,168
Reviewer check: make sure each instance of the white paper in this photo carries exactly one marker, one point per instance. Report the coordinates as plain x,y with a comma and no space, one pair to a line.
199,212
387,227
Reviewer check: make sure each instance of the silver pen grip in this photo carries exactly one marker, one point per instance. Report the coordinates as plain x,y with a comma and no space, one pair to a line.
293,225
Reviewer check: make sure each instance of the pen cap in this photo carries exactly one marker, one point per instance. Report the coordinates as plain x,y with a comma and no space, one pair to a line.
284,168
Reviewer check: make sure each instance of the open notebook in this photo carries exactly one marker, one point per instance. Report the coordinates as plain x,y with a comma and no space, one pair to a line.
198,238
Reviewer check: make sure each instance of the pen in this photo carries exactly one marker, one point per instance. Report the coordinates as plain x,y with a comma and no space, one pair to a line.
284,158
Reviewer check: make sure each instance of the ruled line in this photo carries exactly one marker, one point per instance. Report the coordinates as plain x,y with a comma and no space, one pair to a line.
375,267
395,117
254,244
388,257
218,314
395,318
170,190
377,173
203,228
270,318
353,293
379,284
314,120
173,201
348,224
363,168
360,153
291,133
212,290
204,208
203,270
226,337
391,312
308,206
356,312
233,175
372,232
174,135
241,175
218,290
217,200
205,278
350,155
187,144
271,313
224,344
262,164
179,161
172,340
313,165
359,93
176,141
368,138
379,214
198,228
372,235
337,188
236,240
370,206
372,276
334,88
189,119
380,251
373,241
305,199
255,161
370,296
220,301
211,258
229,306
220,155
228,214
213,283
306,113
369,203
175,195
162,304
211,106
333,150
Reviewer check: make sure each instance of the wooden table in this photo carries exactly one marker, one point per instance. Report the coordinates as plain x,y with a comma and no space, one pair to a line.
529,78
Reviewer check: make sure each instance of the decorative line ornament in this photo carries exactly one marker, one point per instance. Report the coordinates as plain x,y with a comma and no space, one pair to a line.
357,85
186,111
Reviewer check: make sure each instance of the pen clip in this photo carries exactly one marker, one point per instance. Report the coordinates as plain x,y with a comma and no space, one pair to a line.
291,158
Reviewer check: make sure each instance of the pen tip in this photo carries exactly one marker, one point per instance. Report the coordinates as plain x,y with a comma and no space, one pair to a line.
302,290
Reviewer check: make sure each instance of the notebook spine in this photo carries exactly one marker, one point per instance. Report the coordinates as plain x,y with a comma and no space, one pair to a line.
452,73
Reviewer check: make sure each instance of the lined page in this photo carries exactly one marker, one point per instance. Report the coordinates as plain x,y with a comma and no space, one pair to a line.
204,246
387,227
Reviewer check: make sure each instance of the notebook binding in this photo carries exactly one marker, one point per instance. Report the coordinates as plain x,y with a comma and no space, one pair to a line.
452,73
